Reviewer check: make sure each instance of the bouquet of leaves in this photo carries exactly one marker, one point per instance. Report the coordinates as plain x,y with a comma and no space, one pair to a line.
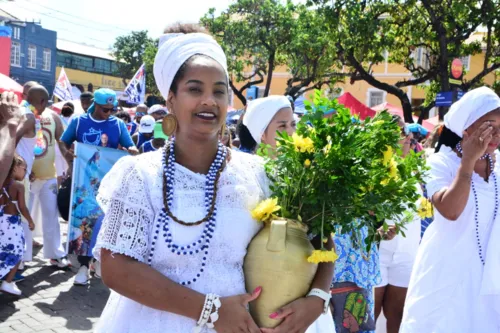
340,172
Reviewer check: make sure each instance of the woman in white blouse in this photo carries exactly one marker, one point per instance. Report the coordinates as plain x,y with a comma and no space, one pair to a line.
177,221
455,285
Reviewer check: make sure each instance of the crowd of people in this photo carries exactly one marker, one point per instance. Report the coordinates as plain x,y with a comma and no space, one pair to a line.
439,277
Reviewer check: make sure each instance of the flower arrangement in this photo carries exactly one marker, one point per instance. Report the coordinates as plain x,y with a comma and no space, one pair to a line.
334,171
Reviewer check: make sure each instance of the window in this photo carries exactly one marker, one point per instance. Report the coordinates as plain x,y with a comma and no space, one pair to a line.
102,66
422,58
31,56
16,33
466,62
261,91
46,60
15,54
376,98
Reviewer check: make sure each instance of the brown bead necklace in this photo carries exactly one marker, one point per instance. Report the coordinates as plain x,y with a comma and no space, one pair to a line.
210,213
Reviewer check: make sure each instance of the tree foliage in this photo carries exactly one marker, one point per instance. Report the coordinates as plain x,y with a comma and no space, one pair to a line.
129,52
260,35
365,30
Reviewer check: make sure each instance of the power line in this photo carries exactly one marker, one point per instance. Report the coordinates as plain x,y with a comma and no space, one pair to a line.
77,17
67,21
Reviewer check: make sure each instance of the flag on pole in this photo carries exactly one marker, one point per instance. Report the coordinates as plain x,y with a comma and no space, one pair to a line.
136,89
63,87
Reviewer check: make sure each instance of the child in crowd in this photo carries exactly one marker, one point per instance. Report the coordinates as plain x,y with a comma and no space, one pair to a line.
12,205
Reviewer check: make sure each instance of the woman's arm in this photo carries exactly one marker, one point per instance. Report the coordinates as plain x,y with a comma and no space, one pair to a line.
451,202
147,286
324,275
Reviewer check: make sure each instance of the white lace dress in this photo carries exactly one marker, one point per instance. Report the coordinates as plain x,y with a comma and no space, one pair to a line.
131,197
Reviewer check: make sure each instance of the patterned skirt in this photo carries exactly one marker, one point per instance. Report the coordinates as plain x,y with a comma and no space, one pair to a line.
11,242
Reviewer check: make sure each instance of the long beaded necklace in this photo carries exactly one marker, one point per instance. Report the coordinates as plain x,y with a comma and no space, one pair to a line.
202,245
476,213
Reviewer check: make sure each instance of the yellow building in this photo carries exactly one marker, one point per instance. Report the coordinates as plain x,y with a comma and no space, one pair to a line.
88,67
388,73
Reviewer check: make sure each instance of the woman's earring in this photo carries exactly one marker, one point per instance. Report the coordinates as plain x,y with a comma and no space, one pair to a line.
169,124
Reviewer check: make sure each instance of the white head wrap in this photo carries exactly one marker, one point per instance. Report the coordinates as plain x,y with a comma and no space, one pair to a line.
260,112
175,49
472,106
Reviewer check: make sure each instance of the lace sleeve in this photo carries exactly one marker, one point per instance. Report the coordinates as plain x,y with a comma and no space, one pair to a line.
128,213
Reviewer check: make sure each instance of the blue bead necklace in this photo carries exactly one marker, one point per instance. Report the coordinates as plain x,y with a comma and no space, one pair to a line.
476,213
201,245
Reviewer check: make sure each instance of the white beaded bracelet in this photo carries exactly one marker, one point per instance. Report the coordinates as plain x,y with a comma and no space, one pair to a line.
214,316
208,313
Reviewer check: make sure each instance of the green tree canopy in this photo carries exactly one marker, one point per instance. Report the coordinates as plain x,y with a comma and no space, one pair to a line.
129,52
259,35
440,30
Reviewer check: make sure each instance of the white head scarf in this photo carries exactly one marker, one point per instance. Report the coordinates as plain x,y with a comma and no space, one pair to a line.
260,112
472,106
175,49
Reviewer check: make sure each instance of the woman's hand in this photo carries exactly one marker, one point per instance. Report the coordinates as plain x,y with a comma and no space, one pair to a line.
390,234
31,225
133,151
10,111
234,316
298,315
474,145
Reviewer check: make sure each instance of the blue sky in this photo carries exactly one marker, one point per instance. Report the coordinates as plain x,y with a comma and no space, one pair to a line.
99,22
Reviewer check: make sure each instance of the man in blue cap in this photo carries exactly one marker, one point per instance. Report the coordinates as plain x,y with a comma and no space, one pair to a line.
98,128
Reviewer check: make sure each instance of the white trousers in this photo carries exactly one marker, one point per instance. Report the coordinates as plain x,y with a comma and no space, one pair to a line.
43,208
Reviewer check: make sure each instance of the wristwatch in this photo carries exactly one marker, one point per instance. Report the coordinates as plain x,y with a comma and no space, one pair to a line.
326,296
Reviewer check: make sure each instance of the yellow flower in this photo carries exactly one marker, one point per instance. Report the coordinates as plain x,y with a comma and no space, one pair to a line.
302,144
425,209
388,156
307,163
393,172
322,256
265,209
393,169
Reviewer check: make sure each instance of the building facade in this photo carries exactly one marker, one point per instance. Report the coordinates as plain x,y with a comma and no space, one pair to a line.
88,68
33,54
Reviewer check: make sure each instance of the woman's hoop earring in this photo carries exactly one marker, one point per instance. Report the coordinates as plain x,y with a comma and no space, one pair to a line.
169,124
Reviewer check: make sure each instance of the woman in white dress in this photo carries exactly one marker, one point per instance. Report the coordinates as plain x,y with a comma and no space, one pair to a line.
177,221
455,286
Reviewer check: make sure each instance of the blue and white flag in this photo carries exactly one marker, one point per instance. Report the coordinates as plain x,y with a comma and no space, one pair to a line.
136,89
63,87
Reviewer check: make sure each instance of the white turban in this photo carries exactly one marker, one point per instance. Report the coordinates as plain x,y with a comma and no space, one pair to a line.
472,106
260,112
175,49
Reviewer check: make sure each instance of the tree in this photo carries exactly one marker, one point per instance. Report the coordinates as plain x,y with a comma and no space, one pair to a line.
437,31
311,55
253,34
129,53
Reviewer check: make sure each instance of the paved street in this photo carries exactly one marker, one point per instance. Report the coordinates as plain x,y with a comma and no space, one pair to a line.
50,303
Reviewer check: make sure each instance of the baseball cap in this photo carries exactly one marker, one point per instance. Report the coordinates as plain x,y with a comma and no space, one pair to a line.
103,96
147,124
157,108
